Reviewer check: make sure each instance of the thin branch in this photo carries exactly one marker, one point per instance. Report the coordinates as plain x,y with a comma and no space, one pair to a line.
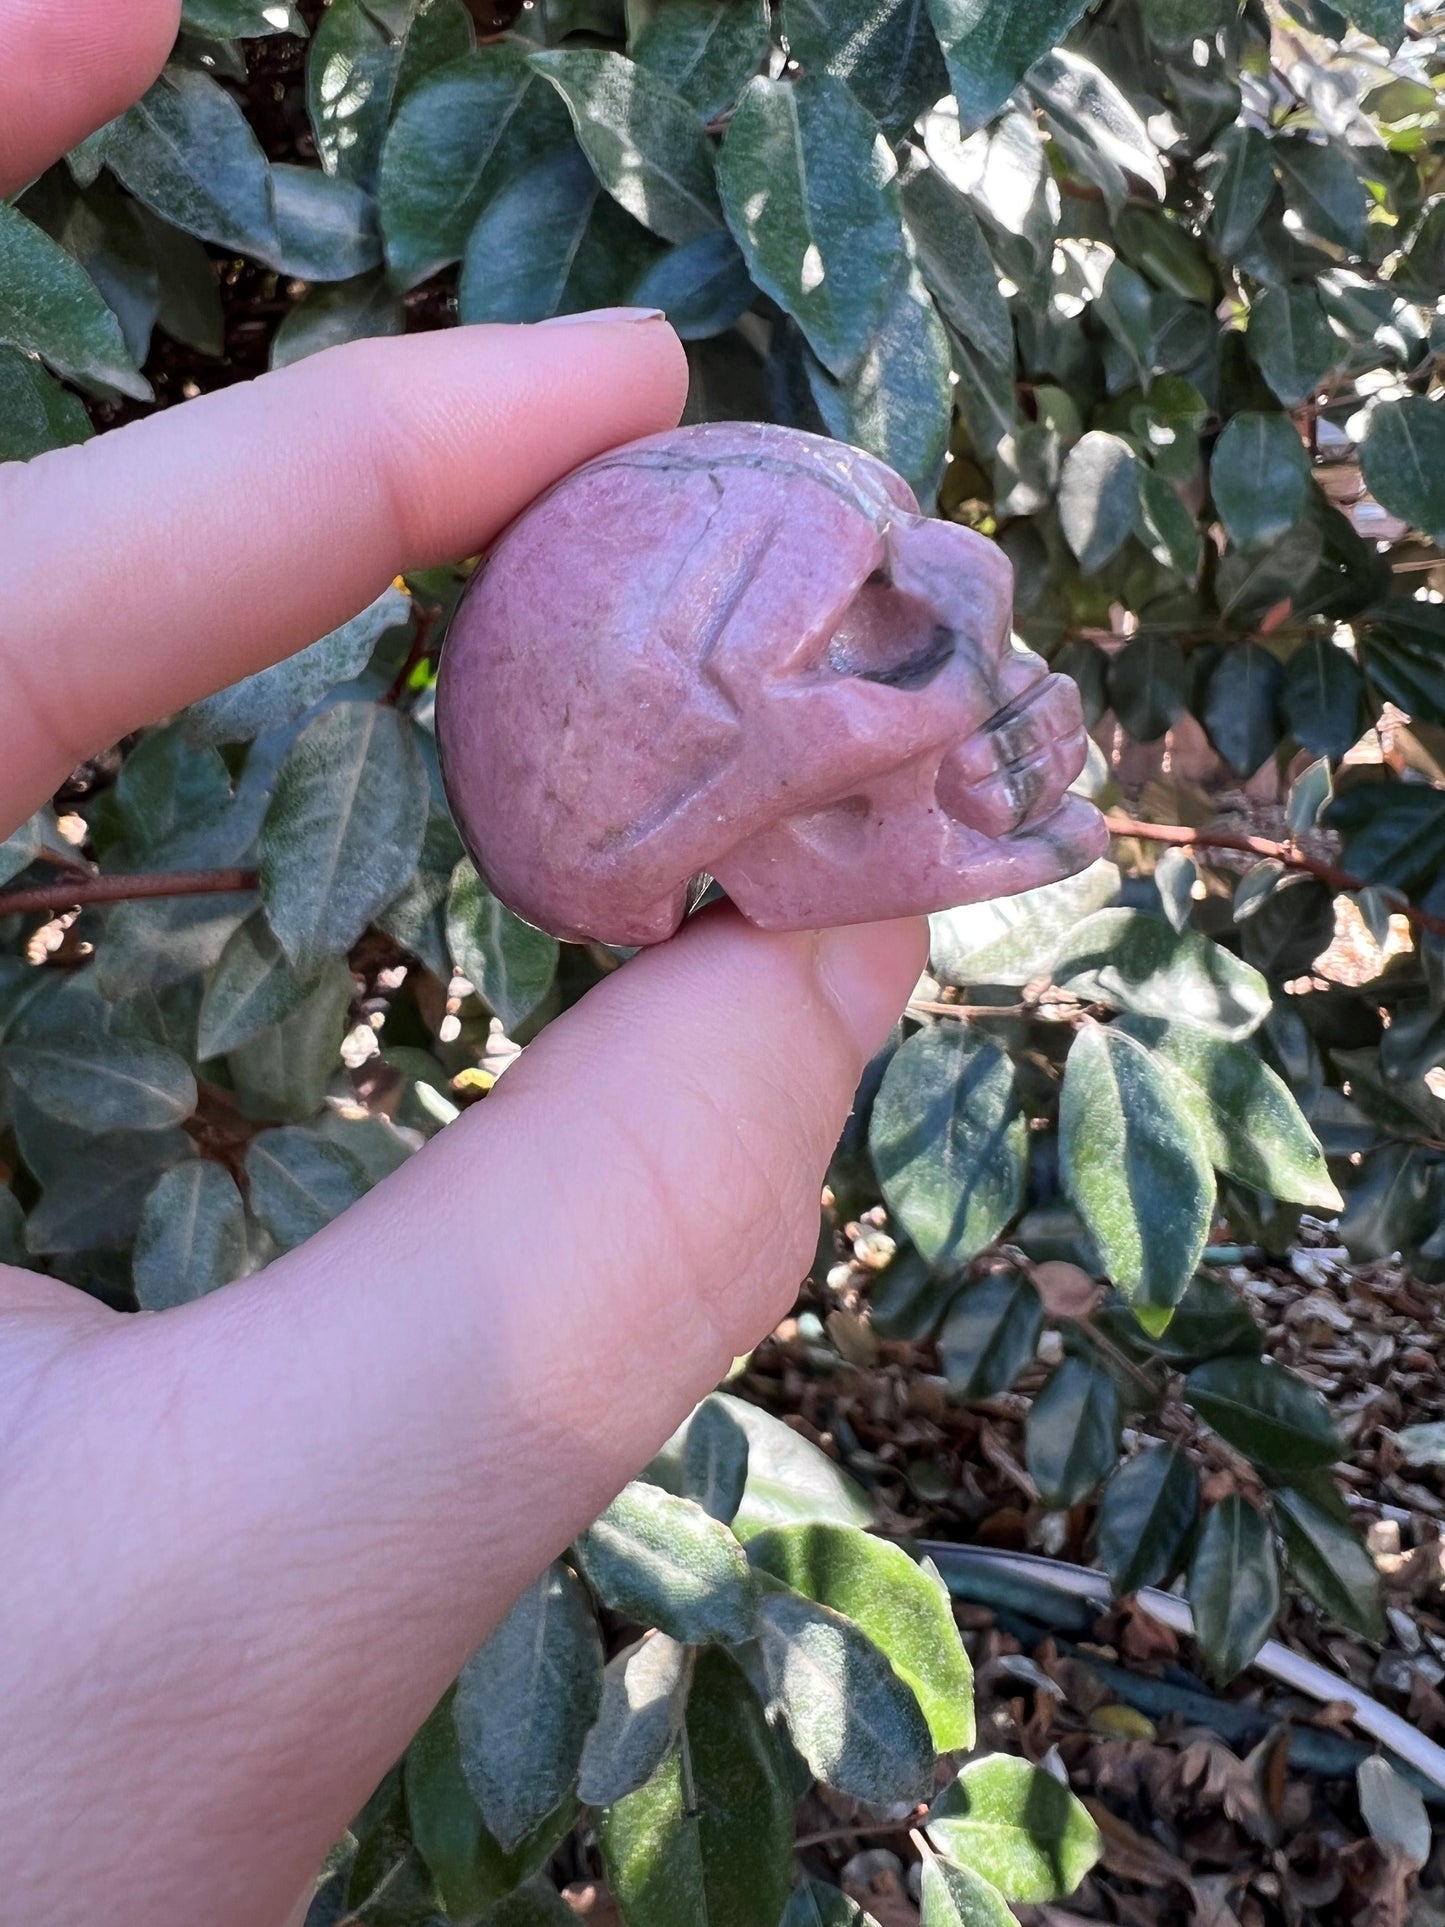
830,1834
79,891
1288,854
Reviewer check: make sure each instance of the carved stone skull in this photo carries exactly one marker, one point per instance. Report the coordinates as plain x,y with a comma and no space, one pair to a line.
741,651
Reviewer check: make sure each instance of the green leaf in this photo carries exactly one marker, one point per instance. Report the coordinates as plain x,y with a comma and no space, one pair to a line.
343,829
240,19
884,50
459,135
1292,342
1094,123
702,287
325,317
103,1084
50,307
192,1236
1251,1125
957,265
152,946
1322,698
1137,1168
949,1141
1241,187
1234,1591
1241,706
990,1333
188,152
644,1699
710,1837
351,72
896,402
855,1722
1328,1560
36,413
1148,683
254,986
1098,497
1146,1516
1259,476
1402,457
662,1561
470,1869
704,50
1323,188
807,186
1134,961
1017,1827
958,1897
327,225
715,1460
789,1479
1403,647
282,694
417,916
12,1230
299,1182
1072,1436
284,1070
1265,1412
901,1607
1394,832
990,45
645,143
1015,939
510,963
1394,1811
189,308
524,1703
815,1904
1383,19
93,1194
1167,527
520,255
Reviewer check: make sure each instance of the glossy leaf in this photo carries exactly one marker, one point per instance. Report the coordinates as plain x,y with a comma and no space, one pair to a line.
855,1722
1292,342
1265,1412
662,1561
1148,683
989,48
645,143
814,1904
510,963
1136,962
1242,186
1325,191
1146,1514
1072,1436
710,1837
191,1238
885,52
343,828
524,1704
704,50
990,1333
1259,477
50,307
1098,497
1234,1590
1167,526
900,1606
36,413
1015,939
1329,1560
1241,706
1016,1827
644,1699
299,1182
948,1140
1096,125
1322,698
806,184
187,151
1402,456
1136,1166
1251,1125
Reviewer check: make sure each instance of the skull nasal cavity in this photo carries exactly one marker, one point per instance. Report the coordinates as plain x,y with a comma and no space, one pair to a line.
889,636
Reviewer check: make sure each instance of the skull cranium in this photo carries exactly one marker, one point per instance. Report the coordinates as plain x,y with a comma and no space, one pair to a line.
742,651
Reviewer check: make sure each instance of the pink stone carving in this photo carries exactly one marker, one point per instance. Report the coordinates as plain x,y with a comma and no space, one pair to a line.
741,651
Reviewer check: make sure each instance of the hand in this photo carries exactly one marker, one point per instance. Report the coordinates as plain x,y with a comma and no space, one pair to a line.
249,1542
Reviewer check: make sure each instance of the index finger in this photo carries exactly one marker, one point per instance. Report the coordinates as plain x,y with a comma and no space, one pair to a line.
167,559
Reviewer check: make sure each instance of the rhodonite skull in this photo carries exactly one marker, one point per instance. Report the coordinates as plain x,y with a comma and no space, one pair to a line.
741,651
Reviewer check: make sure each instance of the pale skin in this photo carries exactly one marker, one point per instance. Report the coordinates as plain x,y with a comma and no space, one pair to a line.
248,1543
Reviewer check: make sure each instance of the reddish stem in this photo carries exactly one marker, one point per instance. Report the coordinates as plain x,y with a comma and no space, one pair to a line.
78,891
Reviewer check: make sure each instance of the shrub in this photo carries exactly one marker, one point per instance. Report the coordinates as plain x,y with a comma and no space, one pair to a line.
1152,293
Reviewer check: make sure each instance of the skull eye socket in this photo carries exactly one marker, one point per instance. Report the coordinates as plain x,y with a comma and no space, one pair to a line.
891,637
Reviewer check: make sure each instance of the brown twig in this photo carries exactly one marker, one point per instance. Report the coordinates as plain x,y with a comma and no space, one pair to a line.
1288,854
75,892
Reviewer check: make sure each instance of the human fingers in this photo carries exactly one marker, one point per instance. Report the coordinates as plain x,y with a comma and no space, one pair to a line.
171,557
262,1533
67,67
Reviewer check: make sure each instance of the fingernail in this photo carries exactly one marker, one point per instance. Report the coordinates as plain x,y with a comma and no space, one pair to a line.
603,316
867,972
